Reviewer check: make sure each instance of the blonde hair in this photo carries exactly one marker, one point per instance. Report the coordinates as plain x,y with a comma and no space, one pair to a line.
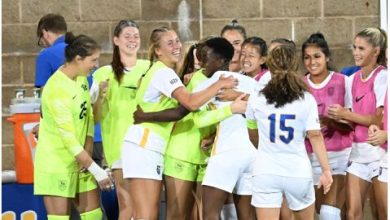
377,38
154,42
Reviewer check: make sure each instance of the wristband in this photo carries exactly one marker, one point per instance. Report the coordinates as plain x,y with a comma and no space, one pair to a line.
97,172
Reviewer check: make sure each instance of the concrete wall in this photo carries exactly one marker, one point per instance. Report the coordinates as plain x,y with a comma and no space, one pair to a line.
339,20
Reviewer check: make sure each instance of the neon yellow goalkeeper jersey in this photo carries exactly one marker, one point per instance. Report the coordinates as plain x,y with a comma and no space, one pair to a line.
118,108
66,120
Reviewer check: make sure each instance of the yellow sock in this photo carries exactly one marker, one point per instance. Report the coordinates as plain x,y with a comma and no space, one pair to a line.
57,217
95,214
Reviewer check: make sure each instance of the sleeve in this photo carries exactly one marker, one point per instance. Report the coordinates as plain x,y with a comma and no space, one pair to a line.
206,117
348,91
380,87
207,83
312,120
166,81
91,123
250,115
43,70
60,109
263,81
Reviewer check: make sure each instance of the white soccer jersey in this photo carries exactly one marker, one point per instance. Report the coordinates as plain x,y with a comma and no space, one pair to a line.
281,149
263,81
232,133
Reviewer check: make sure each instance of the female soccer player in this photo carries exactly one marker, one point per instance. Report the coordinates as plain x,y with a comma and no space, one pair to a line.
327,87
113,96
367,91
235,34
378,137
253,56
66,137
279,118
145,143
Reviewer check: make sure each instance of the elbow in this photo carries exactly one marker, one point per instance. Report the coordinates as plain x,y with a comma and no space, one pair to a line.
191,107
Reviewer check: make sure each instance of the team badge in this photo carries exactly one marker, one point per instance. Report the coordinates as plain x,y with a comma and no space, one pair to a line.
62,185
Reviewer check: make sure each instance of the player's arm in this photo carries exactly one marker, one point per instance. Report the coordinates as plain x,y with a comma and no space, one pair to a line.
168,115
254,137
338,112
207,117
88,146
230,95
376,136
313,133
60,109
253,132
98,94
251,124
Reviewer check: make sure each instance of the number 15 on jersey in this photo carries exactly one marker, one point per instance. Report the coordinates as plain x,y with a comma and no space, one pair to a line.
286,133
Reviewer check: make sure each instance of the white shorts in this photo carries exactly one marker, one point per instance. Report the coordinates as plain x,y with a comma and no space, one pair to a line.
383,174
138,162
366,153
365,171
338,162
268,191
117,164
230,171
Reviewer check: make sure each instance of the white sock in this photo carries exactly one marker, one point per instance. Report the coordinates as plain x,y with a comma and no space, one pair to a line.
328,212
228,212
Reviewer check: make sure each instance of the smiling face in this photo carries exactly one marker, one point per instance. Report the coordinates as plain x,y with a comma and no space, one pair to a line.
128,40
236,39
168,50
364,53
251,60
315,61
88,63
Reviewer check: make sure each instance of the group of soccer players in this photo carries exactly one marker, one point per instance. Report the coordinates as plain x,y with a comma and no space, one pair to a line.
235,120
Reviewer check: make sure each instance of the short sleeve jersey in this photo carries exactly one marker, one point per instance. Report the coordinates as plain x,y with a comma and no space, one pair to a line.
282,131
155,94
232,133
118,108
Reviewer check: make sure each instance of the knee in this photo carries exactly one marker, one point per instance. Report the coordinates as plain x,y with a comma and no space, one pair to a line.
354,214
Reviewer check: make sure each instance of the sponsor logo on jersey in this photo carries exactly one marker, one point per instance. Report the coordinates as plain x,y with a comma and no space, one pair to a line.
173,81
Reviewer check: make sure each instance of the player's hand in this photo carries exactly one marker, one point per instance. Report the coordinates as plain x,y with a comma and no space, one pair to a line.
227,82
187,77
326,181
138,115
103,179
207,143
239,105
336,111
103,87
227,95
376,136
35,131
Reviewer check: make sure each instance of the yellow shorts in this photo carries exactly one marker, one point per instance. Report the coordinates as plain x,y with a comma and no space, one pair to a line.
184,170
63,184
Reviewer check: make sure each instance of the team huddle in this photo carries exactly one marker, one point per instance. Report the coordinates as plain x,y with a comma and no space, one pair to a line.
230,130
